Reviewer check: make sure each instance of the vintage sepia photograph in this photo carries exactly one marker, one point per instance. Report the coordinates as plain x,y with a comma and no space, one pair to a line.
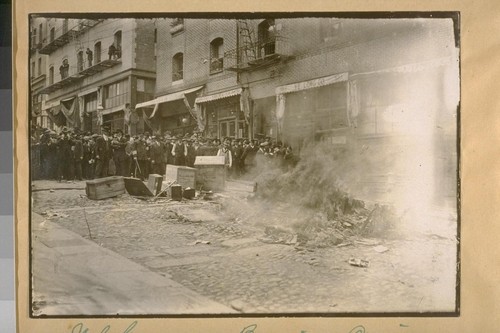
250,164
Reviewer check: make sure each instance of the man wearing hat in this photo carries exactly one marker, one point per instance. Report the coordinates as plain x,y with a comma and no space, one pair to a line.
168,158
119,156
103,152
77,150
63,156
156,156
178,152
190,153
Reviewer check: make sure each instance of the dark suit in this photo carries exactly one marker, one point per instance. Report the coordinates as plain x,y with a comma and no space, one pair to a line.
103,155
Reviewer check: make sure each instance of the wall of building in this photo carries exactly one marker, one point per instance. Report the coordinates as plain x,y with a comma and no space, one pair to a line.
392,46
194,42
144,45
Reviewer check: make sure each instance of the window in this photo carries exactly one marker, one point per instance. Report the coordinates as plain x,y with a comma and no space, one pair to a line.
91,102
51,75
118,44
116,94
216,55
52,34
177,67
32,70
97,52
329,29
40,33
65,26
79,61
267,38
39,66
176,25
140,85
33,38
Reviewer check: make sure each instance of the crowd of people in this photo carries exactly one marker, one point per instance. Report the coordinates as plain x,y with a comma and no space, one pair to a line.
73,155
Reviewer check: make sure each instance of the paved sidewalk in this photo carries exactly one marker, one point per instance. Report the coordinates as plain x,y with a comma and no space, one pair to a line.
75,276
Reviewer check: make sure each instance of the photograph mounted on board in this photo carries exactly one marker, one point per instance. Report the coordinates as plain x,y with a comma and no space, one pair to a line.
244,165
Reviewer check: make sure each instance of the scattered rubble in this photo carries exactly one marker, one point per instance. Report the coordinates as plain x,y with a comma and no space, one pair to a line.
317,185
358,262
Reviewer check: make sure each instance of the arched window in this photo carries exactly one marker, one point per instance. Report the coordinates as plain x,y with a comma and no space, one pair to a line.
51,75
177,67
97,52
52,34
79,61
267,38
216,55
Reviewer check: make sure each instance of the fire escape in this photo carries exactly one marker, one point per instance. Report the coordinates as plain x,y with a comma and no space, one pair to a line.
71,75
257,50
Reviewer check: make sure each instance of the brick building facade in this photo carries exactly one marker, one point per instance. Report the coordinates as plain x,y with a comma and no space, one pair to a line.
363,85
96,69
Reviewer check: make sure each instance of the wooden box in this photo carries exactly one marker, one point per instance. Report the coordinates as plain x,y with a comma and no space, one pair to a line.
184,176
103,188
154,183
210,173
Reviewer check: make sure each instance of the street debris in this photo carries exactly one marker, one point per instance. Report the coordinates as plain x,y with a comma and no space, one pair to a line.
358,262
200,242
381,249
367,242
51,215
329,214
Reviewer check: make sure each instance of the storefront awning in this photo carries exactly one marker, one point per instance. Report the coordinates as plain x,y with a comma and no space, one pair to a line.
221,95
320,82
166,98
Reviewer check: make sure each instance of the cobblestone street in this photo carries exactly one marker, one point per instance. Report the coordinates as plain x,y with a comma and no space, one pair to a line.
202,246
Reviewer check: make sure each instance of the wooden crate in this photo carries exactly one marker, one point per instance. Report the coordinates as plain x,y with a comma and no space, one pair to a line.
210,173
104,188
184,176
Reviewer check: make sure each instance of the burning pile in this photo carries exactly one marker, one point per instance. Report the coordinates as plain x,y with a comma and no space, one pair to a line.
319,185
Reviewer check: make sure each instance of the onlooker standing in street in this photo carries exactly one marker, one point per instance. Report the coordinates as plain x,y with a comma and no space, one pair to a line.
119,156
77,156
103,153
178,153
190,154
64,156
142,168
130,148
156,155
228,158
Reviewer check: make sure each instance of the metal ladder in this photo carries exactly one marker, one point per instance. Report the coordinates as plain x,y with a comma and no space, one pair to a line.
247,36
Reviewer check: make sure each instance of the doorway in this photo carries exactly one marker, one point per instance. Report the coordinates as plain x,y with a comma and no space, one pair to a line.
227,128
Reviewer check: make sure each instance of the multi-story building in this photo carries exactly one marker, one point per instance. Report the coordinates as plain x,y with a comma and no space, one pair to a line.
388,86
38,74
190,64
95,70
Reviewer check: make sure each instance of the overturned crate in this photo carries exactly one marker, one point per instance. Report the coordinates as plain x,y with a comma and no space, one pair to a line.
103,188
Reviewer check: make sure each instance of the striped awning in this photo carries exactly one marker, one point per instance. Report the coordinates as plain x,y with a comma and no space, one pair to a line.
221,95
